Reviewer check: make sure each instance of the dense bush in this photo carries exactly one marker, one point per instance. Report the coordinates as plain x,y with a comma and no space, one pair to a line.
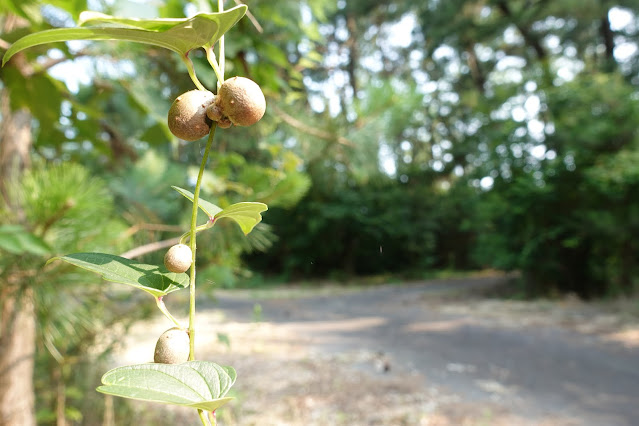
379,227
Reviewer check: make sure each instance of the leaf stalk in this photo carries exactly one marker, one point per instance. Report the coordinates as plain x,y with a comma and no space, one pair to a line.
165,311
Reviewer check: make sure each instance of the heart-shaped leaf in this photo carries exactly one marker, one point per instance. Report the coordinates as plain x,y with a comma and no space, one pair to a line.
178,35
246,214
197,384
150,278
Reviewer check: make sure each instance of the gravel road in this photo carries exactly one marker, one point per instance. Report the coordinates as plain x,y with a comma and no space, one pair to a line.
423,354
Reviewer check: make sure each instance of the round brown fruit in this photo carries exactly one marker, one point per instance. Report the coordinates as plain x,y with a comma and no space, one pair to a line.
178,258
187,116
242,101
172,347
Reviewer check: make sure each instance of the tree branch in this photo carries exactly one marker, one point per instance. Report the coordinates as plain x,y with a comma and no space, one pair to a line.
475,69
251,17
152,227
353,56
313,131
150,248
529,38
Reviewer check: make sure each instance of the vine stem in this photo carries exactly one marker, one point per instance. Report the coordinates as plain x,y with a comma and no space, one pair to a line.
220,7
192,244
196,198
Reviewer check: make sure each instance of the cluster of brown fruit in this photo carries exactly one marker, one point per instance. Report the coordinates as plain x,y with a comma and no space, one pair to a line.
239,101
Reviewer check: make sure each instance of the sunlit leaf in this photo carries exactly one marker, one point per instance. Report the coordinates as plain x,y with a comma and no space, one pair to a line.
196,384
155,280
178,35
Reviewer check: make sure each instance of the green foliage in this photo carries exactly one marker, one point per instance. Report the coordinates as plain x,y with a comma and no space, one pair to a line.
195,384
16,240
246,214
156,281
64,208
521,153
570,221
178,35
209,208
62,204
382,226
109,125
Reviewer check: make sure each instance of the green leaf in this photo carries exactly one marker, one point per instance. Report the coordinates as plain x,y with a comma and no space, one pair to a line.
196,384
247,215
209,208
150,278
15,239
178,35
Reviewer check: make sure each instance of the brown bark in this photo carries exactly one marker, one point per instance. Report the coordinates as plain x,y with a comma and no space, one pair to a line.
609,42
61,397
17,347
119,147
15,142
353,56
608,36
17,310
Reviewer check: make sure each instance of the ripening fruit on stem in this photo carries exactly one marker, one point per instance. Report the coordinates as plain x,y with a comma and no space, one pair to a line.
187,116
178,258
241,101
172,347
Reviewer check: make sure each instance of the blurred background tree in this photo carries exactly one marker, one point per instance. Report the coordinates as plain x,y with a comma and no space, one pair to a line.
400,138
481,134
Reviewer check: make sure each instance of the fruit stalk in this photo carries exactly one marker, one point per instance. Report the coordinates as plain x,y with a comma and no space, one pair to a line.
165,311
191,70
196,197
203,418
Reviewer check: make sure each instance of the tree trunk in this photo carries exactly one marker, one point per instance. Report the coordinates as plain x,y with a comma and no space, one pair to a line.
607,35
353,56
475,69
17,312
15,143
17,347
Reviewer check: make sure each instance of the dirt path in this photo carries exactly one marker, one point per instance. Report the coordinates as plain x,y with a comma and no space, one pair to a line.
421,354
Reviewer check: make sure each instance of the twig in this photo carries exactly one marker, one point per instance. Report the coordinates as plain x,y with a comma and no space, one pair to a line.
313,131
51,62
252,18
150,248
151,227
